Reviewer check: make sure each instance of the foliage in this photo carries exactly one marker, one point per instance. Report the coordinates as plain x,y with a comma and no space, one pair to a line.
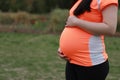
53,22
5,19
118,25
23,21
14,18
33,6
119,2
57,20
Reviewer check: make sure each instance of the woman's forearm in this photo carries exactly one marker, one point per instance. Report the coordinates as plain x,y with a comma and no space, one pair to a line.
106,27
96,28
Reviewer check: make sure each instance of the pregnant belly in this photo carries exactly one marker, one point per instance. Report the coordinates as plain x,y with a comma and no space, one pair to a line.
74,41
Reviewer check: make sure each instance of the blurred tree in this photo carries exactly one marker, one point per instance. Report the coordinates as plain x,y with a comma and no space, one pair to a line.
119,2
29,4
38,6
35,6
64,3
4,5
13,6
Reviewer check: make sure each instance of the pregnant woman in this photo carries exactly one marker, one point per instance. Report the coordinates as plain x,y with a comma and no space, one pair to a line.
82,40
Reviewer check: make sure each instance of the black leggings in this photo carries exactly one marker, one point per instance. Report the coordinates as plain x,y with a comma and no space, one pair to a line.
76,72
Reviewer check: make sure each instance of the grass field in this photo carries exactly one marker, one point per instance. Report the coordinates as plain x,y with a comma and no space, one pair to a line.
34,57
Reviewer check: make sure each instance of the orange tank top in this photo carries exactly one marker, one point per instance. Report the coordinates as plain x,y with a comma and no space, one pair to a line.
81,47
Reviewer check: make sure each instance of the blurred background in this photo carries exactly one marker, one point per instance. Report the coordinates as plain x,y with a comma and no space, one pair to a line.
29,39
38,16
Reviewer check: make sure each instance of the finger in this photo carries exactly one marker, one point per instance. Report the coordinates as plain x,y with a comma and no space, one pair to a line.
62,55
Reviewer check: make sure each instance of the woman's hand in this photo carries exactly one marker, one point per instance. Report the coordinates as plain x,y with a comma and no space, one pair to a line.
72,21
61,55
106,27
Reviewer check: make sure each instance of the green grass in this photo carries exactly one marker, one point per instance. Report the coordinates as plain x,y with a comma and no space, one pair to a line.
113,50
34,57
118,11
